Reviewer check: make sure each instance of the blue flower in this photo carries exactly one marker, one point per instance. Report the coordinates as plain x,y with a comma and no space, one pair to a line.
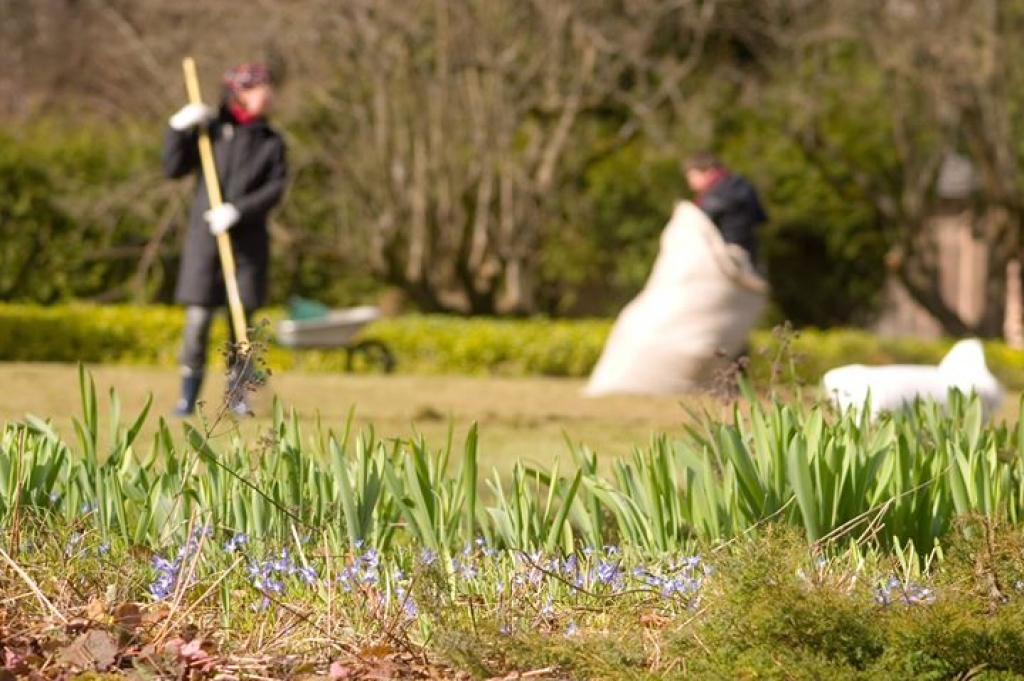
236,542
671,586
73,539
368,575
464,569
166,577
607,572
307,575
283,563
162,586
427,556
408,606
371,558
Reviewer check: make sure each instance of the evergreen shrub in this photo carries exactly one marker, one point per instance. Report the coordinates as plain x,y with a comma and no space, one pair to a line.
435,344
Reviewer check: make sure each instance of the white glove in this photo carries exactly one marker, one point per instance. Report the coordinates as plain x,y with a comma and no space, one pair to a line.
192,115
222,218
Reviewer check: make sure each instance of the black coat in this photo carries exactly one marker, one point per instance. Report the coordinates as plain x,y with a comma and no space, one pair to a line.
252,168
733,205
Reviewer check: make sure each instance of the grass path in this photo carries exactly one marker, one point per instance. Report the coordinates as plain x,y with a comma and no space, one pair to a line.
520,418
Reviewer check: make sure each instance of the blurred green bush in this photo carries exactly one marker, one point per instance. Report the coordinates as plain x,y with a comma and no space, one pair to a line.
437,344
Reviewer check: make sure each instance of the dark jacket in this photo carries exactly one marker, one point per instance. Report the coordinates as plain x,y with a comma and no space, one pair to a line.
252,168
733,205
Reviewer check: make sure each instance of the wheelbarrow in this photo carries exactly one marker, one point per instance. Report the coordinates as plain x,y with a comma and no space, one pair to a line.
315,326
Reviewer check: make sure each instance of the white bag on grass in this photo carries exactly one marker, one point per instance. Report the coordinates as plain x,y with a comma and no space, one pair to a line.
692,317
895,386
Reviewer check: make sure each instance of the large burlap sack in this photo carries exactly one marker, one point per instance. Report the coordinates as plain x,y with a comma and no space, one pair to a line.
690,320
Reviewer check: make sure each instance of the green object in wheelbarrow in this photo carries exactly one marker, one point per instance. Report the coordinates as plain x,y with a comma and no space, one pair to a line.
304,308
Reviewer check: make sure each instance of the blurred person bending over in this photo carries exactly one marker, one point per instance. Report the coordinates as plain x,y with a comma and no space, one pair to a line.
252,170
729,200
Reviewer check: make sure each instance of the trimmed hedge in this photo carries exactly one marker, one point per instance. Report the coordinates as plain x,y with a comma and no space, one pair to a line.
438,344
808,353
89,333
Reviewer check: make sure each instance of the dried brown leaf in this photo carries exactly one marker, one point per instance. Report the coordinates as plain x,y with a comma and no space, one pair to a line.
174,645
338,670
197,653
128,616
94,649
653,620
376,650
155,614
21,661
96,609
77,625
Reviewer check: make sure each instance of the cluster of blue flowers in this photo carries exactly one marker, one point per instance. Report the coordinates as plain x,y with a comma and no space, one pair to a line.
365,575
681,579
363,570
512,577
604,571
895,591
167,571
268,576
536,584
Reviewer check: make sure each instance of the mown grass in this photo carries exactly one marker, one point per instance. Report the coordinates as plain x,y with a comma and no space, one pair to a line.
527,419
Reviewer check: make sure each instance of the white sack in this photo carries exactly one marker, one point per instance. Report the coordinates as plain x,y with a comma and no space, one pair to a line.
895,386
690,320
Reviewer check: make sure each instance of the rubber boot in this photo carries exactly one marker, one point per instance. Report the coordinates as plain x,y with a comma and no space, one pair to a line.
190,386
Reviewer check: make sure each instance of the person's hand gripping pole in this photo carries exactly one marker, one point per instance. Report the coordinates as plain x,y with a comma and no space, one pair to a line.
227,258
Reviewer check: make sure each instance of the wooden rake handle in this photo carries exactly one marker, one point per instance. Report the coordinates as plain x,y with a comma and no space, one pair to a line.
227,257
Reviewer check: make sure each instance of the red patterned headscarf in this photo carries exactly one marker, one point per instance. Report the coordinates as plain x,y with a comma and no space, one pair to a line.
245,76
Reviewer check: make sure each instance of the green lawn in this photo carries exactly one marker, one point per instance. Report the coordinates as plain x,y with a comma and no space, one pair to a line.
520,418
528,419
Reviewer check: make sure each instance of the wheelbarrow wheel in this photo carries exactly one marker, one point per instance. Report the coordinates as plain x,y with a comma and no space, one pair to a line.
370,355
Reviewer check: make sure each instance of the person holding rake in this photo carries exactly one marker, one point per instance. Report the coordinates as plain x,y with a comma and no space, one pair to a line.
250,158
